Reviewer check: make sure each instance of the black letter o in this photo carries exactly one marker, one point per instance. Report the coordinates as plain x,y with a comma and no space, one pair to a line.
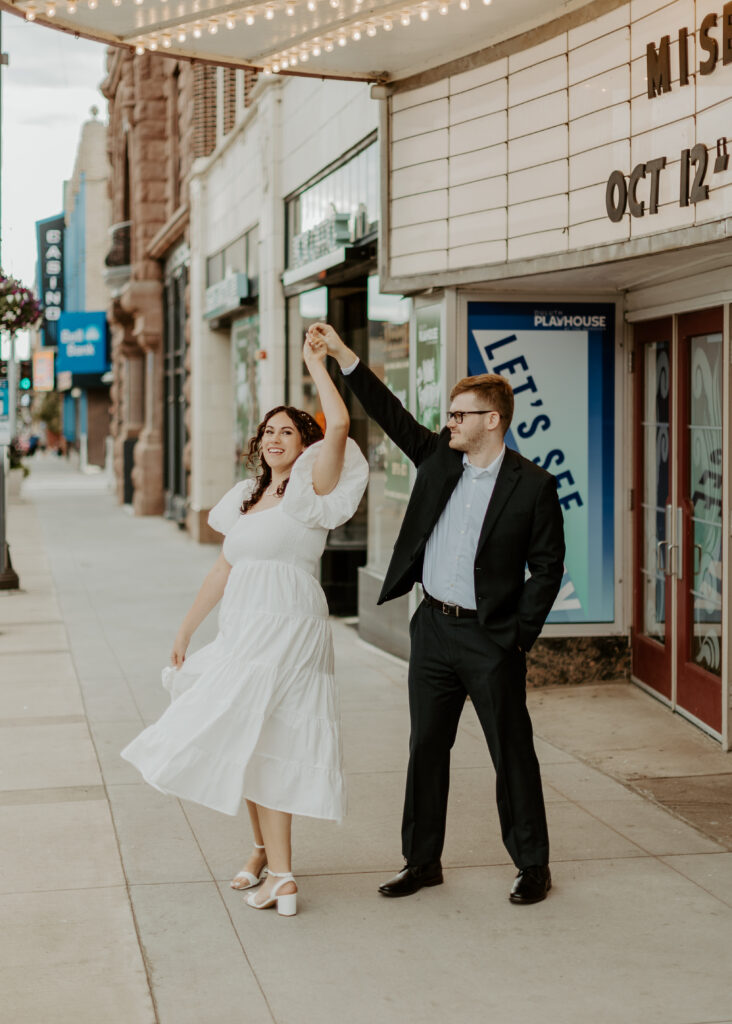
616,206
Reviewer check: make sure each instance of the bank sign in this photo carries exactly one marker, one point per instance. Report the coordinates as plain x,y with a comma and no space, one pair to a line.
559,359
82,343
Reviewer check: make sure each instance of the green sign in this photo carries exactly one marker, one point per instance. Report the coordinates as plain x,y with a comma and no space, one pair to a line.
428,410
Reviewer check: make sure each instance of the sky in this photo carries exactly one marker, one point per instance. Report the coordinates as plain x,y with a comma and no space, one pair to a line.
48,88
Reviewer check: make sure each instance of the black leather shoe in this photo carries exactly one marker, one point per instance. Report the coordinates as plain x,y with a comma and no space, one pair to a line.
412,878
531,885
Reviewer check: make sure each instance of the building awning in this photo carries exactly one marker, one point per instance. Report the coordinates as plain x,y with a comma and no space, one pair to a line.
364,40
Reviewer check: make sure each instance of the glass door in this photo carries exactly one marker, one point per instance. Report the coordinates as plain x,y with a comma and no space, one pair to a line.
174,374
677,634
699,575
653,512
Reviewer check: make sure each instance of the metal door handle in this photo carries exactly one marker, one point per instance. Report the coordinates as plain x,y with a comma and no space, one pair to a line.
659,567
698,548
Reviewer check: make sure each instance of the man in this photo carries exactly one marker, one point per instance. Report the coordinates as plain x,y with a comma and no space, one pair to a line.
479,513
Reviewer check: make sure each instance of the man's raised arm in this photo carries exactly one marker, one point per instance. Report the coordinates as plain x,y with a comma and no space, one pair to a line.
416,441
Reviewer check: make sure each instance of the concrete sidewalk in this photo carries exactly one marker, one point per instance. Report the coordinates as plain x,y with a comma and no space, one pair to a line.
115,899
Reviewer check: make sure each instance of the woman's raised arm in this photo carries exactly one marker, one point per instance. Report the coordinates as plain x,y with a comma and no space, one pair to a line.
329,463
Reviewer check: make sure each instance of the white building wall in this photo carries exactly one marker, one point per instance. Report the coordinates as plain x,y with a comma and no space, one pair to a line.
293,130
91,162
510,161
320,121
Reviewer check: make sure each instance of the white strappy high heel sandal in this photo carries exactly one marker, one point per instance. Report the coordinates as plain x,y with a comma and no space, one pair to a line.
246,876
286,904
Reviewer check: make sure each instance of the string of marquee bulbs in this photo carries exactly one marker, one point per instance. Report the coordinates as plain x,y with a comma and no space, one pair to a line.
349,27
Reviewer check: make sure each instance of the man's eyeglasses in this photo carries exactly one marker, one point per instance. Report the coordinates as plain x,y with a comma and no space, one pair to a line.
459,415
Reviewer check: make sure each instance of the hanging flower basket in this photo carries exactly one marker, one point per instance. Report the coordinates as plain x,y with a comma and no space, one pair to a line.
19,308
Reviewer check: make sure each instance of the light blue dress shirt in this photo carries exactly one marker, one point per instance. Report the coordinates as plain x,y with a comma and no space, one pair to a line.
449,557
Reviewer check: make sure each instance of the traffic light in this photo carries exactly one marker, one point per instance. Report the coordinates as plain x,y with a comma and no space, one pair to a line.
25,377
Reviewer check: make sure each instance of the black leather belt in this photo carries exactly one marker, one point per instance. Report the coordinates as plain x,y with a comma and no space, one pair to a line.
450,609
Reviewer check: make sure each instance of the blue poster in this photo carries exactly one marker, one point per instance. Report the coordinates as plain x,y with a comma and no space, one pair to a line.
560,361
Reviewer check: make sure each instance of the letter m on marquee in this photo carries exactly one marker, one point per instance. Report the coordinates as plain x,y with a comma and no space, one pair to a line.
658,67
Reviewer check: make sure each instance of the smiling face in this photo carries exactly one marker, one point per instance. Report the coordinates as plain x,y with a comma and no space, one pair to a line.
281,443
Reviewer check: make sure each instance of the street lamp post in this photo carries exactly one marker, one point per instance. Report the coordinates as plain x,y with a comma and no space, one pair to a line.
8,576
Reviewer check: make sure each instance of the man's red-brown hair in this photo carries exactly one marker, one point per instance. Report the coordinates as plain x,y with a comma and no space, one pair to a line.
493,390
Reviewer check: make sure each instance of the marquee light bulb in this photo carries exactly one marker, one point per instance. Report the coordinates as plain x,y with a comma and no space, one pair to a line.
289,10
139,49
388,24
424,14
312,5
405,19
356,35
371,30
342,40
304,56
329,46
30,14
213,27
269,13
115,3
197,31
285,64
487,3
71,7
230,22
444,8
181,36
138,2
153,44
249,17
316,50
51,10
166,42
276,67
464,5
92,5
335,3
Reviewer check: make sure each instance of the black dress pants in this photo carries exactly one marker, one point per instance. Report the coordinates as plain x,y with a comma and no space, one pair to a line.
452,658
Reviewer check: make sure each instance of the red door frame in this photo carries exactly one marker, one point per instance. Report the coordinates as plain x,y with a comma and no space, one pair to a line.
651,660
698,692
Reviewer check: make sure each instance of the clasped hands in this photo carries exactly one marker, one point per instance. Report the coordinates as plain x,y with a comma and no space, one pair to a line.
320,341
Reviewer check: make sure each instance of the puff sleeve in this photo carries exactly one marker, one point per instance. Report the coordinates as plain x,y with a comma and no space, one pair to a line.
225,512
327,510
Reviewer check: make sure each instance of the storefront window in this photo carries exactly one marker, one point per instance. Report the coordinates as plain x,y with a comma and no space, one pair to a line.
389,484
302,311
245,344
239,257
349,193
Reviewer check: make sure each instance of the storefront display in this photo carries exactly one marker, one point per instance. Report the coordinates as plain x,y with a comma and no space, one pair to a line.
560,360
244,349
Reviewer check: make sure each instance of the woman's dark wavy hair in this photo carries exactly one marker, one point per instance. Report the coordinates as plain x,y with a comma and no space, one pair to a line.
309,430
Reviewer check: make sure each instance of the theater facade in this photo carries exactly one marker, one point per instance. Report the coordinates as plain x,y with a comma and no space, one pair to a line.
558,206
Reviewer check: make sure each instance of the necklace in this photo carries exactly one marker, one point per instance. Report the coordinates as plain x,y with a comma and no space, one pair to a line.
274,493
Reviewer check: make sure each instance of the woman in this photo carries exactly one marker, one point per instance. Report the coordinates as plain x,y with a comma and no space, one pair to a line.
254,714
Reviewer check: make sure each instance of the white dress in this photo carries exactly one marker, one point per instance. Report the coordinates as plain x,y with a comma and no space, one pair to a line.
255,713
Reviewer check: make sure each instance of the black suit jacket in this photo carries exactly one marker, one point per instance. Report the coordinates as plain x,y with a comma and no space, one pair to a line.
523,524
